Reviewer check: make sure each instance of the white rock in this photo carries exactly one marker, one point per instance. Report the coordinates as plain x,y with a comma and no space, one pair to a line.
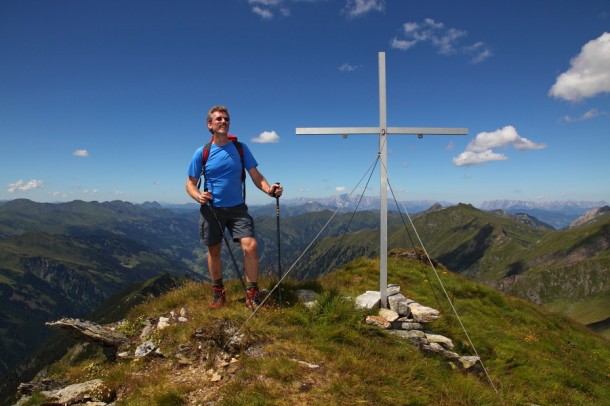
439,349
398,303
393,290
308,297
442,340
407,325
305,363
389,315
145,348
416,337
468,361
124,354
423,314
368,300
163,323
72,393
378,321
146,332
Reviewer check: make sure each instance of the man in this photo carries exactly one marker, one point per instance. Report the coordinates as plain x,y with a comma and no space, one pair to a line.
222,203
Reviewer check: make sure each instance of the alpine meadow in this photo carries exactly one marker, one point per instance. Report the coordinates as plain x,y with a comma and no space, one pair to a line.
523,291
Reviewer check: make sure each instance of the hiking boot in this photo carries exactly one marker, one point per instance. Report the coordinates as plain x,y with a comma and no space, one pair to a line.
218,298
252,298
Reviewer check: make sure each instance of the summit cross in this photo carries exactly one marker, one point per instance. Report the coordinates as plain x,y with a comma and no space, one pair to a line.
383,130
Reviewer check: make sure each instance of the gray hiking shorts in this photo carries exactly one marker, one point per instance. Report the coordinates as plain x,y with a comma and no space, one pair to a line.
214,220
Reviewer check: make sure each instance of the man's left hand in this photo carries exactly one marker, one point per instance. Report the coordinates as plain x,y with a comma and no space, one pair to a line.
275,190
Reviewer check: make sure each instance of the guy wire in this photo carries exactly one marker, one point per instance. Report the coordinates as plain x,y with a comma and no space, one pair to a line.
425,252
450,302
300,256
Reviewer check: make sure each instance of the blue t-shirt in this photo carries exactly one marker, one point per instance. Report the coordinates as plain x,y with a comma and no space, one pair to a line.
223,172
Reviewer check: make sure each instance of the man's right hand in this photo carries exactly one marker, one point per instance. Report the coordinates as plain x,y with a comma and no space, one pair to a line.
204,198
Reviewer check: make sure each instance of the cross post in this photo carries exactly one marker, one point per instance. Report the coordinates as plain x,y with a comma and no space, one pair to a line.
383,130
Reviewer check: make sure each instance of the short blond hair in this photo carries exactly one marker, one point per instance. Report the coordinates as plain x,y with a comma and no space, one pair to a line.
214,109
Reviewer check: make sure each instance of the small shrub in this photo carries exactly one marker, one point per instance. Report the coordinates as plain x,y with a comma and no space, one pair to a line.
131,328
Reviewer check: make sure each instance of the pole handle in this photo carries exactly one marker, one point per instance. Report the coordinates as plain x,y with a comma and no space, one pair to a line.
273,195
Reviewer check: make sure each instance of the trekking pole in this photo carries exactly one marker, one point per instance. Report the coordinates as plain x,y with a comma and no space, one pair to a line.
279,257
224,237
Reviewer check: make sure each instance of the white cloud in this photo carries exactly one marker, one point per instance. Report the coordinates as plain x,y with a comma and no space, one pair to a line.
340,189
266,137
22,186
267,8
266,14
445,40
467,158
478,51
346,67
83,153
501,138
266,2
589,115
592,114
358,8
410,27
433,23
589,73
401,44
480,150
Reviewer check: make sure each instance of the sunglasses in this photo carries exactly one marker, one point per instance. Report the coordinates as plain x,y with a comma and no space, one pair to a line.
222,118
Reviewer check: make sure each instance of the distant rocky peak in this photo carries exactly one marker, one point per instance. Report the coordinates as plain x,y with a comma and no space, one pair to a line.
589,215
434,207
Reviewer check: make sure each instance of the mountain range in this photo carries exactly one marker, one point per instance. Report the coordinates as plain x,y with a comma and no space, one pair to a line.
564,270
558,214
65,260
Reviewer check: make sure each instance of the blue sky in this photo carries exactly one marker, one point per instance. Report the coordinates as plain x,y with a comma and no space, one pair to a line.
105,100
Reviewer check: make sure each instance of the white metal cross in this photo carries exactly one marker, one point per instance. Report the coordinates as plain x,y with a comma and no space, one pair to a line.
383,130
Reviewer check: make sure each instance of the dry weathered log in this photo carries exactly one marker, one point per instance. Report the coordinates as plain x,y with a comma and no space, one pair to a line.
109,340
30,388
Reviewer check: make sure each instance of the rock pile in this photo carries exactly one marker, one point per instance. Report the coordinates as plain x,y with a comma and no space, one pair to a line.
93,392
116,345
408,319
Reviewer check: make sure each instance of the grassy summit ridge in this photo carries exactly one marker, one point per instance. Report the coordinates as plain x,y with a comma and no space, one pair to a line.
328,355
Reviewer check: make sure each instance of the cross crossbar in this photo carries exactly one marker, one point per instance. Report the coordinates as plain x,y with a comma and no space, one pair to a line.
383,131
377,130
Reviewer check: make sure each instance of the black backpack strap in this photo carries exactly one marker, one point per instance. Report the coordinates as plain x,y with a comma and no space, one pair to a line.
240,150
205,153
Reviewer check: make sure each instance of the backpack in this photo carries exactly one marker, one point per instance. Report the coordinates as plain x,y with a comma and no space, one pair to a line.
240,149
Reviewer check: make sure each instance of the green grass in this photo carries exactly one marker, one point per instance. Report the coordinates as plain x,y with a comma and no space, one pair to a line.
532,356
